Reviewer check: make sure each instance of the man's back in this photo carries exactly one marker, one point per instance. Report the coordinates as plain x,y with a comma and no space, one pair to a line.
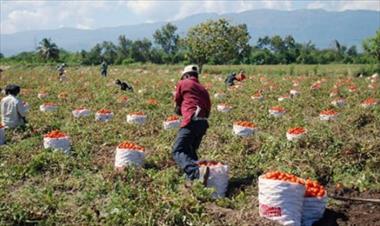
190,94
12,112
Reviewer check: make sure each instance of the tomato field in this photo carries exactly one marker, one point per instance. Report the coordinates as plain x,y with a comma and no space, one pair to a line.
41,186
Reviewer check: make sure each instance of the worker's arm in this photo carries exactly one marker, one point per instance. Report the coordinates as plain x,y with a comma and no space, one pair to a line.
21,109
178,99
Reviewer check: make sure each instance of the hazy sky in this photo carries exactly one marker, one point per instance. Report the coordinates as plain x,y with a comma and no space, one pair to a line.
35,15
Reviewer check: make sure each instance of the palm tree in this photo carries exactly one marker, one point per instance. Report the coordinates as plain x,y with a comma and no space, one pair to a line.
48,50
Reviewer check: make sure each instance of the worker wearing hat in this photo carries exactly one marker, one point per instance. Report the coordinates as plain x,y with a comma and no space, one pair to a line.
193,103
13,111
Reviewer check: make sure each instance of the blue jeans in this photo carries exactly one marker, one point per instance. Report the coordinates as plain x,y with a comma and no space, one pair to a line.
185,147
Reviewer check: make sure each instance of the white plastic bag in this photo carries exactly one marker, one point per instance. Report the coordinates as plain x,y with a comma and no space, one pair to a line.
81,113
283,98
223,108
103,117
276,114
218,179
48,108
136,119
2,135
313,209
259,98
219,95
327,117
61,144
294,137
128,157
171,124
42,95
281,201
243,131
294,93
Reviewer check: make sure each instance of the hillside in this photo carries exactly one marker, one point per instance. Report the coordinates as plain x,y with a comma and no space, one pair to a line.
319,26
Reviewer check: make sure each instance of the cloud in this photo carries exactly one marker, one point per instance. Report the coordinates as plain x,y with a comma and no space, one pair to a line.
356,5
33,15
345,5
172,10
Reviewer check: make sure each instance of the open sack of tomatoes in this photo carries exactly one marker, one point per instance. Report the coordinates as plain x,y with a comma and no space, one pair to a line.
244,128
328,115
103,115
81,112
128,154
172,122
291,200
136,118
48,107
218,177
223,108
57,140
2,134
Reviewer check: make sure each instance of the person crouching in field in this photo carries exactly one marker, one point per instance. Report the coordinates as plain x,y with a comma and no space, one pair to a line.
13,111
124,86
193,103
234,77
104,68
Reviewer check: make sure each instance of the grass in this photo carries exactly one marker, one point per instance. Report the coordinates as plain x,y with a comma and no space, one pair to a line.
39,186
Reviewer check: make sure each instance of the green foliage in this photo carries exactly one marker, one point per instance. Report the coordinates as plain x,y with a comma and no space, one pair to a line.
44,187
217,42
212,42
372,46
168,40
48,50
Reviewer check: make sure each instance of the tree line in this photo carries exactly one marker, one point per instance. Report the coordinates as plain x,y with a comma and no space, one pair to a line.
211,42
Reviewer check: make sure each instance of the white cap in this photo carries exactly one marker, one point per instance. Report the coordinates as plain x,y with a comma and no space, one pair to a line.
190,68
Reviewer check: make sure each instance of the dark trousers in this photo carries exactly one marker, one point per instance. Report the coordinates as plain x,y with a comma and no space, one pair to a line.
103,73
185,147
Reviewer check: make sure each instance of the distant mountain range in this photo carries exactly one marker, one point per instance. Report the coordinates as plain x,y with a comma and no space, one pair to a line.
319,26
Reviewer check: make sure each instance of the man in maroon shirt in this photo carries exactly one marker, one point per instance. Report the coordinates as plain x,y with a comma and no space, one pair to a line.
193,103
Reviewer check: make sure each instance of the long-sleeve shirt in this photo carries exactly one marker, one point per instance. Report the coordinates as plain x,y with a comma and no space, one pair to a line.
190,94
230,79
13,112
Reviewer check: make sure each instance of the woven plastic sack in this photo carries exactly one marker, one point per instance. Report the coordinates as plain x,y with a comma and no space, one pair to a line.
136,119
48,108
219,95
42,95
81,113
327,117
218,179
172,124
281,201
313,209
103,117
128,157
243,131
276,114
2,136
223,108
294,137
61,144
